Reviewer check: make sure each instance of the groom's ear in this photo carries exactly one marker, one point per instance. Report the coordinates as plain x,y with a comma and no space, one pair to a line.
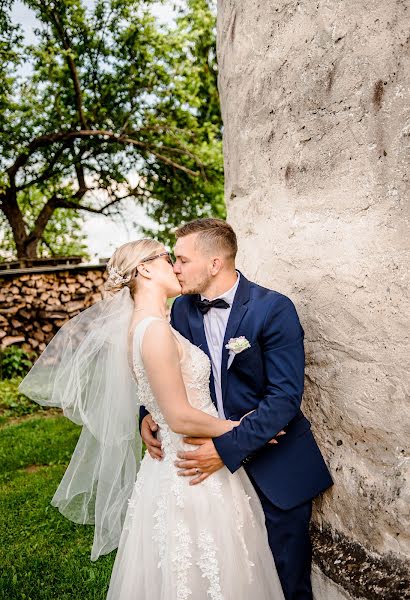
216,265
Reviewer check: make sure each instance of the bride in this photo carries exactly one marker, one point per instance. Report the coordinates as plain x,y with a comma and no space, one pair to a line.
175,540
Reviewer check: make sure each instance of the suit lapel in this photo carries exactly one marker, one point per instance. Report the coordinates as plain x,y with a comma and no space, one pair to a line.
238,311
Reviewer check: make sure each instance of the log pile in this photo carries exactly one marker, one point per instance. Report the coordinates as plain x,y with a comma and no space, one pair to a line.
33,306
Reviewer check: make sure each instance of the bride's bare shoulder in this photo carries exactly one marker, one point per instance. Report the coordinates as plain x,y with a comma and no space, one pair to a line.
159,339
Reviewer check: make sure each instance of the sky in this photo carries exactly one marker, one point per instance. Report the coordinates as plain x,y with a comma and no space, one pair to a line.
103,235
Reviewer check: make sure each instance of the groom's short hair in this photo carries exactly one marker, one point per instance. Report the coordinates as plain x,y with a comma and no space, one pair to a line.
213,233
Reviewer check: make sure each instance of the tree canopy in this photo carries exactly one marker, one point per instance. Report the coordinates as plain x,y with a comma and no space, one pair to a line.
115,106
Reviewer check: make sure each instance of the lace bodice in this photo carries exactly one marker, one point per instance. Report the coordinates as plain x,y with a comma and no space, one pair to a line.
196,371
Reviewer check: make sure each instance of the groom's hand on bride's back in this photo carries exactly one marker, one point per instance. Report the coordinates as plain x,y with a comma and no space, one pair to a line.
148,431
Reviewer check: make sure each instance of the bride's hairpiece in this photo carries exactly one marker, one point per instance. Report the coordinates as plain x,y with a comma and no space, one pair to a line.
116,278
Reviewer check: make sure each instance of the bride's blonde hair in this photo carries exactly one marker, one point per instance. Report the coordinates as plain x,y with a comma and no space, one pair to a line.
123,263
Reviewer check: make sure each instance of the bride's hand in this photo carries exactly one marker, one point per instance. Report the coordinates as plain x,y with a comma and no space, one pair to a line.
273,440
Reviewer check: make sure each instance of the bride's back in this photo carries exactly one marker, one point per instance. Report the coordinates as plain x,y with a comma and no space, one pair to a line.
195,369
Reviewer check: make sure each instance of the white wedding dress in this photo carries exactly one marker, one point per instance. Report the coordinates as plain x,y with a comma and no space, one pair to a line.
182,542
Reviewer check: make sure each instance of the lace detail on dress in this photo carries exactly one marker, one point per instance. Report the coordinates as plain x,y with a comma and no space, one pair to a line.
208,563
181,560
177,488
160,528
145,396
133,501
215,484
199,367
241,507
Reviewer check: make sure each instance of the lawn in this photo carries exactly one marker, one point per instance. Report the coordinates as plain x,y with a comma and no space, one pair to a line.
42,555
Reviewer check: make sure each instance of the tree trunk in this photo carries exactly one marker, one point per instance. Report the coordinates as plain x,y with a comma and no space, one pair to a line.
315,98
30,249
13,214
27,243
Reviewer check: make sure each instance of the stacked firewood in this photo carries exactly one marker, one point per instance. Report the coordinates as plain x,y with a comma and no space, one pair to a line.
33,306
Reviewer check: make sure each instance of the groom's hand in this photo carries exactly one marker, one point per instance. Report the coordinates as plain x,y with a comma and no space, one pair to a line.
148,430
205,458
273,440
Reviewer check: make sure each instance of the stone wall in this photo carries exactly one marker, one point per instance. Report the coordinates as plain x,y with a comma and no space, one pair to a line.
315,100
34,304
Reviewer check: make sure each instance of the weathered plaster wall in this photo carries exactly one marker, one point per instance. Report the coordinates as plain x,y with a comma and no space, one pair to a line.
316,108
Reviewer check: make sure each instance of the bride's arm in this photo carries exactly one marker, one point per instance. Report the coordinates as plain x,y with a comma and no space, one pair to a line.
161,361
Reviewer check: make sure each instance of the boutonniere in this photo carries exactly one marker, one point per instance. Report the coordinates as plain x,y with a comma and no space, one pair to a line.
236,346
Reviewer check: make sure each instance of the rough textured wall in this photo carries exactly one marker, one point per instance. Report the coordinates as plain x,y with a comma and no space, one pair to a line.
315,99
33,306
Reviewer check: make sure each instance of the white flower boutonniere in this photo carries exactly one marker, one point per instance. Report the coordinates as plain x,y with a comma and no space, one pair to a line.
236,346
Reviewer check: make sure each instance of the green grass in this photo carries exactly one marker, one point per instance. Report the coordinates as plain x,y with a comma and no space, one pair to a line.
43,555
14,404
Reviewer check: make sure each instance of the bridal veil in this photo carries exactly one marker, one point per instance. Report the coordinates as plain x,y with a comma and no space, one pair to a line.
84,370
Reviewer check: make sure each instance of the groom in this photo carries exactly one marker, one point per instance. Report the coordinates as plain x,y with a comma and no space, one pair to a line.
263,375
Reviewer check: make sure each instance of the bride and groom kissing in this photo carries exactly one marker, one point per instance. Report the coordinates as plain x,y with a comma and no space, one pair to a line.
222,501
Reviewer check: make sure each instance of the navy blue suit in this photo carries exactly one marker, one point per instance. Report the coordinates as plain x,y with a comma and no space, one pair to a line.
267,378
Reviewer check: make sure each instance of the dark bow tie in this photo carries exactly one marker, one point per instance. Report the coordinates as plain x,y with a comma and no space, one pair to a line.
205,305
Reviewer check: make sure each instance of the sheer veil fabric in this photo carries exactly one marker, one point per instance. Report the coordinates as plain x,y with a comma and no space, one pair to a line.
84,370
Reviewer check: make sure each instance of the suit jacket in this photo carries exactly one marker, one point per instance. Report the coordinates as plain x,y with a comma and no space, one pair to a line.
266,378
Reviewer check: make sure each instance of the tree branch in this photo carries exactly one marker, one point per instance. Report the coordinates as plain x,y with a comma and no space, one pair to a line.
64,203
42,220
79,169
48,172
51,138
65,40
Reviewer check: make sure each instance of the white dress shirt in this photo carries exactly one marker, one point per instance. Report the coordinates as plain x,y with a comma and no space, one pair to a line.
215,322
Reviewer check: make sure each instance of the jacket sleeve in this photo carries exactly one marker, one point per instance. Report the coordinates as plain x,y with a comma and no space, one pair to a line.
143,410
283,358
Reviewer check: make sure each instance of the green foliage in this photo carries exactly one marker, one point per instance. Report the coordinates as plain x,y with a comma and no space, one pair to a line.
15,405
175,200
116,106
14,362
